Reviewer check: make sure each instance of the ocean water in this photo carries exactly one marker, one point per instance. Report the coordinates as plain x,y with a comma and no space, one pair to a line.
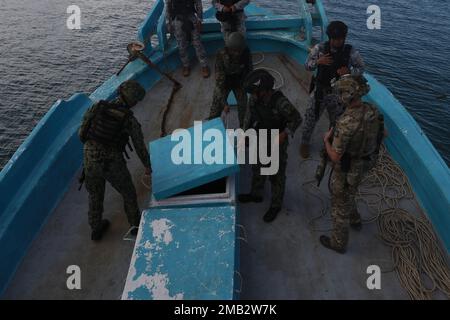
42,61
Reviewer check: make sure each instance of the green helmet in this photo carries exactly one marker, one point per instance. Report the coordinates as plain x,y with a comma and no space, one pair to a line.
236,41
350,87
131,92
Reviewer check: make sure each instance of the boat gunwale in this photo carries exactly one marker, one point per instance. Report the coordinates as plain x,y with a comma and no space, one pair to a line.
427,171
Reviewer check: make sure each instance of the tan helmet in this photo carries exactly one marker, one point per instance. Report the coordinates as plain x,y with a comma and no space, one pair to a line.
131,92
350,87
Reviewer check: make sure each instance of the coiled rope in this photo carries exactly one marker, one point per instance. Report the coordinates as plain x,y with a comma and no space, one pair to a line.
419,261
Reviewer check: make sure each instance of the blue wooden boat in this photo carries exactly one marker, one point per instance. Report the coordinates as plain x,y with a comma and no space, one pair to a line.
190,244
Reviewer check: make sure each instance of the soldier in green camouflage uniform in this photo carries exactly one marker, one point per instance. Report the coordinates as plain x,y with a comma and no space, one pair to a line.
105,132
354,151
231,15
184,19
233,64
270,109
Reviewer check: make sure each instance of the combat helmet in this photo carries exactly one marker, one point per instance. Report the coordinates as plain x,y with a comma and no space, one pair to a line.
131,92
259,80
236,41
350,87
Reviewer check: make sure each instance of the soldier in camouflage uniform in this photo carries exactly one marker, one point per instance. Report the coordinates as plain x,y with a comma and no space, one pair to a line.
233,64
270,109
354,151
231,15
331,59
184,19
105,132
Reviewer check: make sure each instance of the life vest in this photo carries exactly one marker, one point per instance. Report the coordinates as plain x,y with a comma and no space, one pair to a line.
182,8
341,58
107,125
235,79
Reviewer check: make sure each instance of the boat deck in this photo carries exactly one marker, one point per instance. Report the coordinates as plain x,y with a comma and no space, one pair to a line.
281,260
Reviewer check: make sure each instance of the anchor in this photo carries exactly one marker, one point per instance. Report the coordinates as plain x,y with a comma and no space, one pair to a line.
135,50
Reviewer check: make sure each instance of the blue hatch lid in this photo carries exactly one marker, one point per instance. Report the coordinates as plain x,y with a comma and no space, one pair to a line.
184,253
190,158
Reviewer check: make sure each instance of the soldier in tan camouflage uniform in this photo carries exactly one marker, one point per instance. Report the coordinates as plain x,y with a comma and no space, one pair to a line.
354,151
184,19
233,64
269,109
105,132
331,59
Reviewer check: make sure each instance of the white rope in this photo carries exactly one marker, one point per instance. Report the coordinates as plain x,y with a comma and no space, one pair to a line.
241,281
263,57
143,181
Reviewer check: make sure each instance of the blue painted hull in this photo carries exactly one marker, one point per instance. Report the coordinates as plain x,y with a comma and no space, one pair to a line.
39,173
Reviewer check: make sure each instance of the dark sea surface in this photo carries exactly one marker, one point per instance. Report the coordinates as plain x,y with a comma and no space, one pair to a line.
42,61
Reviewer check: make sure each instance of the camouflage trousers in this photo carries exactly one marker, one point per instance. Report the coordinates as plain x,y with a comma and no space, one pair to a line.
343,208
220,98
277,181
183,42
312,116
238,25
115,172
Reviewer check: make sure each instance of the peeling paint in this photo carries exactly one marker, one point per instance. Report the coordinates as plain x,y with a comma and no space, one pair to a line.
172,244
156,284
161,231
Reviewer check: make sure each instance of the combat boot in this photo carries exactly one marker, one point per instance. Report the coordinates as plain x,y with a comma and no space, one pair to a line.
186,71
304,150
271,214
326,242
206,72
248,197
98,232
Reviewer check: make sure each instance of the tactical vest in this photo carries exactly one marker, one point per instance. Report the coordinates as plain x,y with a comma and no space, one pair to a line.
372,125
182,8
268,116
107,126
341,58
235,79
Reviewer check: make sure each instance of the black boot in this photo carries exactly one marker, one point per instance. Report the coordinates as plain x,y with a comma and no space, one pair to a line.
356,226
248,197
271,214
326,242
98,232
